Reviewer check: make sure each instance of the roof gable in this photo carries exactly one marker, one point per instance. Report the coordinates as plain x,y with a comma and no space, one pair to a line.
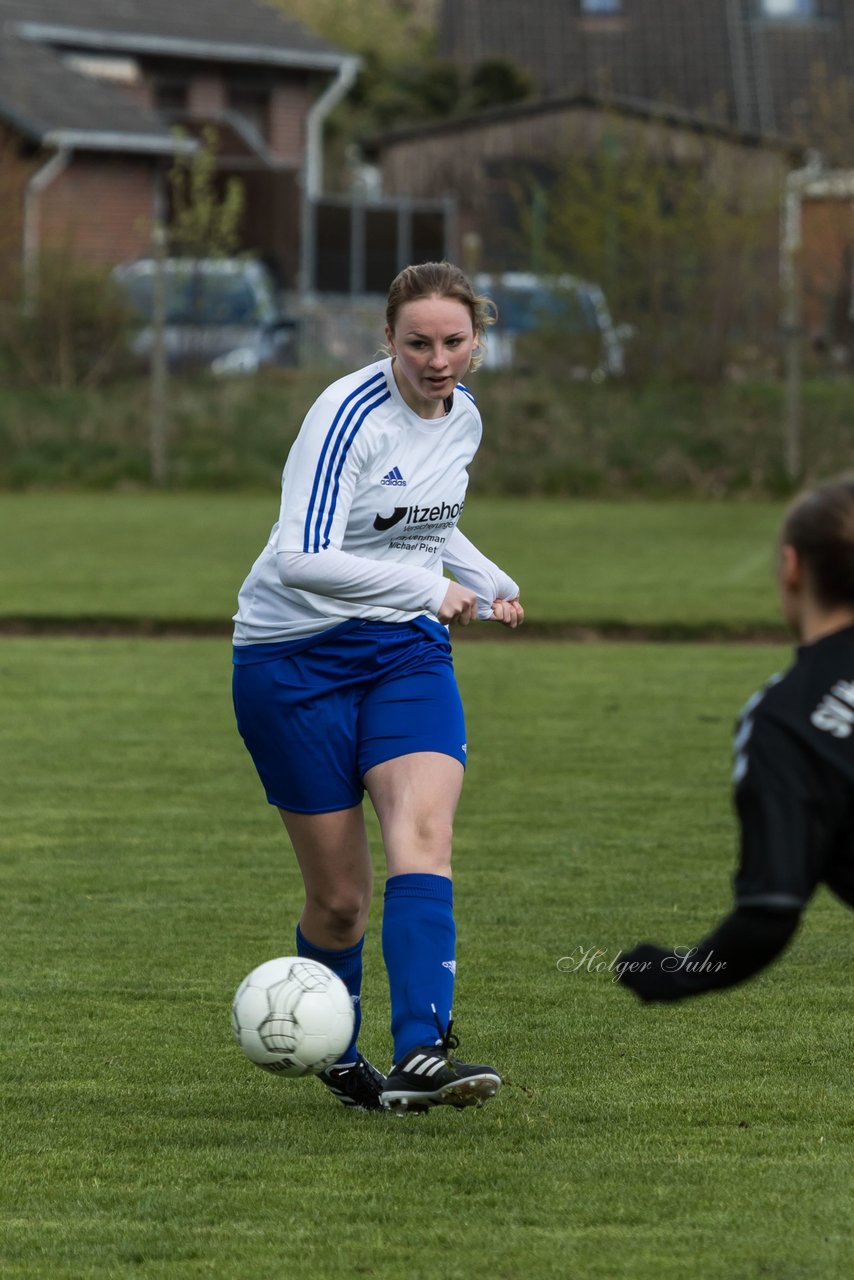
50,103
614,104
214,28
47,102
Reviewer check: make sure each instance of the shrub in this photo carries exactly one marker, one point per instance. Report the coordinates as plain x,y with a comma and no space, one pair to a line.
73,330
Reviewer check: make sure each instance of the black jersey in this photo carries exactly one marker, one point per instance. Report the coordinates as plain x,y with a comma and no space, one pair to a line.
794,795
794,780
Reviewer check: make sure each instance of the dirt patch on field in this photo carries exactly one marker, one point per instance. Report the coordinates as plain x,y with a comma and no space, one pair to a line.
596,632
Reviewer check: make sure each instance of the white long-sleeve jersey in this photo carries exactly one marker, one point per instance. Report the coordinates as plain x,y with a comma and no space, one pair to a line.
371,497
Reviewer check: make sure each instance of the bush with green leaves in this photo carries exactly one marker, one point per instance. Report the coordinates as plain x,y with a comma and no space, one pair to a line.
71,328
686,257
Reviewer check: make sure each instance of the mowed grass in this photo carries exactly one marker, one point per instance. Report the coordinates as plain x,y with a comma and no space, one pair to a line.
173,557
143,875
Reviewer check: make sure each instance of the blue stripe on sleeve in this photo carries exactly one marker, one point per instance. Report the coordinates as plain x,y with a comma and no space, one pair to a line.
373,398
370,408
372,385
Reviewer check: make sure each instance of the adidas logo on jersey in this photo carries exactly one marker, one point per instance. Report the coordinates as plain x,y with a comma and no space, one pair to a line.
393,477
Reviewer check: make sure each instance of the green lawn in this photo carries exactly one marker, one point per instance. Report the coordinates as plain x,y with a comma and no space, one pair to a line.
142,875
671,564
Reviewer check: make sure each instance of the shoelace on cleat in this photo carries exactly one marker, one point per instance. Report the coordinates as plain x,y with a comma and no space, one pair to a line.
447,1040
351,1078
349,1082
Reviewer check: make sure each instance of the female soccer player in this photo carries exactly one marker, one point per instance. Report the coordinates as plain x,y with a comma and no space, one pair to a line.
343,677
794,768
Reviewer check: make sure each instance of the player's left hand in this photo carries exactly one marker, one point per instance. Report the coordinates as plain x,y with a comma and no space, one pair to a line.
508,612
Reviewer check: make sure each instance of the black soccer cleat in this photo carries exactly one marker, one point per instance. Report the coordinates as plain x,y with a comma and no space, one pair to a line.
358,1084
428,1076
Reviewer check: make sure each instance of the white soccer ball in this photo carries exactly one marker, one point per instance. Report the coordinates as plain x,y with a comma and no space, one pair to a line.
292,1016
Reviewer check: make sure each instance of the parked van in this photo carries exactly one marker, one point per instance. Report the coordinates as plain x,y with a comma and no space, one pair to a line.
561,310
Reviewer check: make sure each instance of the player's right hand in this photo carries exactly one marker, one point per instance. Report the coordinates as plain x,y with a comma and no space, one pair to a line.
459,605
508,612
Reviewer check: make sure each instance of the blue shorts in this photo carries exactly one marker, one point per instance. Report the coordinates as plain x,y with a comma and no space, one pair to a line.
316,715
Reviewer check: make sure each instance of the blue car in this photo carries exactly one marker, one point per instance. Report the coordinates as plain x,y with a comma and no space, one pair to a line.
221,314
570,313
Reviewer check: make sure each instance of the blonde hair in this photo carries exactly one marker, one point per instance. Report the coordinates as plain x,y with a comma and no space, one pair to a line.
441,280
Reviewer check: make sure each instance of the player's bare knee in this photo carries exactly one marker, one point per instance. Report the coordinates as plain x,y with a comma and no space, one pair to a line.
340,915
423,849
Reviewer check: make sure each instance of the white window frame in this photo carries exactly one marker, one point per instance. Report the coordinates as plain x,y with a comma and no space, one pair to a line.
788,10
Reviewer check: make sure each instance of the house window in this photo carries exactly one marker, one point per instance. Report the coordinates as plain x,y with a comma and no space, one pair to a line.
601,6
787,9
253,106
98,67
170,98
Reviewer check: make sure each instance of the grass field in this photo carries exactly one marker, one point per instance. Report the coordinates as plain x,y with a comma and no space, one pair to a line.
143,875
679,566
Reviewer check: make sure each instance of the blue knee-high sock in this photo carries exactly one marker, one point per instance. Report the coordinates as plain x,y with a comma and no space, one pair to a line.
347,965
419,944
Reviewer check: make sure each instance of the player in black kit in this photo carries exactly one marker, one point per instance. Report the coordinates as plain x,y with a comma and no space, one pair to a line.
794,768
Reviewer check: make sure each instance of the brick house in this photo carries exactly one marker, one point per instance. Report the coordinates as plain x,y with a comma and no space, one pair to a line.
481,158
726,89
89,97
